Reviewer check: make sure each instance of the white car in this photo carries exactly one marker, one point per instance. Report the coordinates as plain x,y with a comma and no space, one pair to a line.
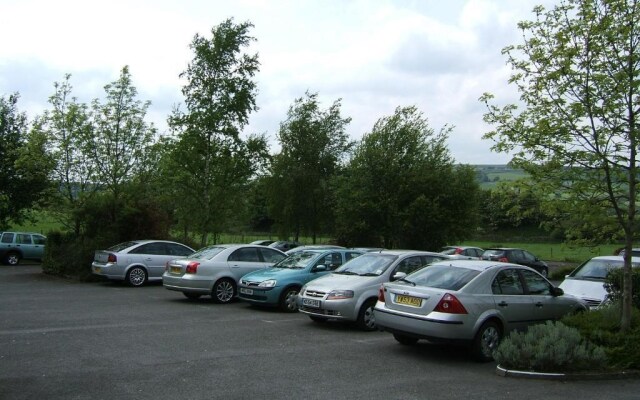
587,281
216,270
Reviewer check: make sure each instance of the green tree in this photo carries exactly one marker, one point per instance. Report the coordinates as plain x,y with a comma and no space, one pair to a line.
313,143
577,130
24,165
402,189
209,163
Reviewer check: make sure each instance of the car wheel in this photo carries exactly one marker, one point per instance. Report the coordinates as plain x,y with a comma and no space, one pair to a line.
191,296
405,340
223,291
486,341
319,320
366,320
12,258
288,300
136,276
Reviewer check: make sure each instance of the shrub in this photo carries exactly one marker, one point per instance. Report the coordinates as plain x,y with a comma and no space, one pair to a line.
549,347
602,327
613,285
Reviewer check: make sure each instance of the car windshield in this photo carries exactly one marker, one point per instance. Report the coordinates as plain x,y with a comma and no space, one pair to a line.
207,253
122,246
298,260
442,277
596,269
367,264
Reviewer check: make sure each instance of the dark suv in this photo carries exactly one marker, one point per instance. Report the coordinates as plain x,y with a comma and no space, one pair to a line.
516,256
15,246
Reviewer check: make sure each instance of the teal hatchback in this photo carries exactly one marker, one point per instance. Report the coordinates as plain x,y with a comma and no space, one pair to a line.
278,286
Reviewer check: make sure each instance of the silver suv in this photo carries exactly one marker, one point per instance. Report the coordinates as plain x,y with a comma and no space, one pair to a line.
15,246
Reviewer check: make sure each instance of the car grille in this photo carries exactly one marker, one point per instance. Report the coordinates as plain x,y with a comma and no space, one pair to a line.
319,312
248,283
314,293
593,303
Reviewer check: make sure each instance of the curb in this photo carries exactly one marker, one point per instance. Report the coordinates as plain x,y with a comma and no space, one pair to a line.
583,376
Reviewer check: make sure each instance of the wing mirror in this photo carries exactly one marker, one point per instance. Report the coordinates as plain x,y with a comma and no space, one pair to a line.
398,275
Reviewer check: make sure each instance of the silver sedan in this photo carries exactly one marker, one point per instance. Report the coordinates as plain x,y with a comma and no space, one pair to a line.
470,302
216,270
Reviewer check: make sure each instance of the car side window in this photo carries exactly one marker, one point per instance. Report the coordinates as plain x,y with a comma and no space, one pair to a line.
178,250
410,264
536,284
23,238
7,238
507,282
350,255
246,254
528,256
150,248
426,260
271,256
516,256
38,239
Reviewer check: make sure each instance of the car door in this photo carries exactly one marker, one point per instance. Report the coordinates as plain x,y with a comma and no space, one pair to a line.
511,300
546,306
153,256
25,244
38,245
244,260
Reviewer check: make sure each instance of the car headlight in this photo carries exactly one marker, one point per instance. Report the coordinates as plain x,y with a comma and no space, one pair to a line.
340,294
268,283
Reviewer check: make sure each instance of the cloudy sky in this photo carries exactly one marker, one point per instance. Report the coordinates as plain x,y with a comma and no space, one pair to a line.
375,55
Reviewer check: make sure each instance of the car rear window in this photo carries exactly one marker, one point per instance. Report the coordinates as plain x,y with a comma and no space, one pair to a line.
494,253
207,253
121,246
443,277
449,251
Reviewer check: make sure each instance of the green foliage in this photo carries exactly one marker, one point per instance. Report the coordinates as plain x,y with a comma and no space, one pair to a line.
67,254
314,142
602,328
24,166
549,347
401,188
613,286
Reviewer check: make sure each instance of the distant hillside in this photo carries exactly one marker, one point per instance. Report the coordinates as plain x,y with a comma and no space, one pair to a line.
489,175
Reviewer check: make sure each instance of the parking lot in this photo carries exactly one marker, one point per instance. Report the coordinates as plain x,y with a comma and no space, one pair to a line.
62,339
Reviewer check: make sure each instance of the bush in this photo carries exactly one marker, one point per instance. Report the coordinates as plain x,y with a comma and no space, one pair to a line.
613,285
551,347
68,255
602,327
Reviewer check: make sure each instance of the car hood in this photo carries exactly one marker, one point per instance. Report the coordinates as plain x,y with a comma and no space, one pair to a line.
344,282
585,289
274,273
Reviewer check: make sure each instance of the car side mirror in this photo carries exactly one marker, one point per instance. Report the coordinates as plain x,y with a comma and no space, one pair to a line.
557,291
320,268
398,275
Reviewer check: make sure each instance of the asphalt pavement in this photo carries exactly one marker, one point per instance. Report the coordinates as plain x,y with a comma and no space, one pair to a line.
63,339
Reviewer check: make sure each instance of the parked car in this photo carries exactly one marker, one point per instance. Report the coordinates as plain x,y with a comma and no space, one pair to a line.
262,242
350,293
15,246
312,247
516,256
279,286
587,281
138,261
635,252
462,252
216,270
284,245
470,302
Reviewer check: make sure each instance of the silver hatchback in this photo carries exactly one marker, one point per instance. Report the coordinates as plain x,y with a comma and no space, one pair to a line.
470,302
351,291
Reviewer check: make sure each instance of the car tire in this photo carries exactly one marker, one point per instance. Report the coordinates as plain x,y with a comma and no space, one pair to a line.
191,295
319,320
136,276
405,340
223,291
288,299
486,341
12,258
366,320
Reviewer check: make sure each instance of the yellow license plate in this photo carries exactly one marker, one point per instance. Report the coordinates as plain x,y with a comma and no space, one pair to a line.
176,270
408,300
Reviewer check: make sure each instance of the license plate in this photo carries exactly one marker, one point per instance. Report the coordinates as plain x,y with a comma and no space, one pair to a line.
408,300
311,303
176,270
246,291
97,270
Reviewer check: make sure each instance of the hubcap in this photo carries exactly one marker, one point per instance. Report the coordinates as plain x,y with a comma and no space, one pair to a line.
137,276
490,341
13,259
290,300
369,318
224,291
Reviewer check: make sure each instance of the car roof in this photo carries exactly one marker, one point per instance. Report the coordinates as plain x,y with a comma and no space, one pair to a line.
504,248
479,265
614,258
406,252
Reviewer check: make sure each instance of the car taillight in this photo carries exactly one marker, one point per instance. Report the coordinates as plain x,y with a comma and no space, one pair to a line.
112,258
192,267
450,304
381,294
458,251
503,259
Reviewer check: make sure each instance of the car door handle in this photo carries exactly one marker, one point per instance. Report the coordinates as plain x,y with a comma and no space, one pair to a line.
148,259
503,304
235,266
